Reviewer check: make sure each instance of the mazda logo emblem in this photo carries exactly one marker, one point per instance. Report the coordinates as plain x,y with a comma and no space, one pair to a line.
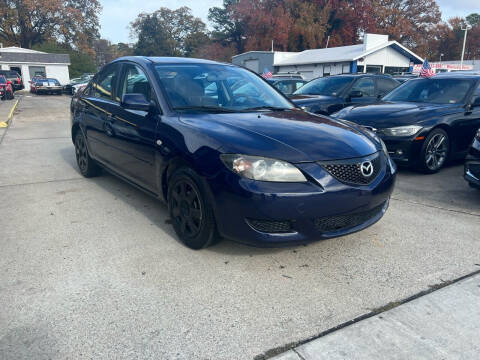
366,168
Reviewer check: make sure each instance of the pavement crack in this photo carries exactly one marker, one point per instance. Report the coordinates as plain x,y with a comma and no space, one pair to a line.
436,207
298,354
373,312
40,182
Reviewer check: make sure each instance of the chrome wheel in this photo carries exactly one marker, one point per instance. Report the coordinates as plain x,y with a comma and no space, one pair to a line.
81,153
186,208
436,151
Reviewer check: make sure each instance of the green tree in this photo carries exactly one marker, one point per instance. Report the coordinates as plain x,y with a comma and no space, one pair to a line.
167,32
29,22
473,19
228,29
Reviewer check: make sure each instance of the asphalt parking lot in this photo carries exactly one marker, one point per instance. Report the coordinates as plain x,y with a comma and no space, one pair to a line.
91,268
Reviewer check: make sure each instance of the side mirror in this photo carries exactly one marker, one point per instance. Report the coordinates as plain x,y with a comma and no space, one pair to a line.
355,94
136,102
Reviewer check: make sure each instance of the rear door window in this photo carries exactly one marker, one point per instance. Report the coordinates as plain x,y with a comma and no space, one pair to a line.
104,84
366,85
384,86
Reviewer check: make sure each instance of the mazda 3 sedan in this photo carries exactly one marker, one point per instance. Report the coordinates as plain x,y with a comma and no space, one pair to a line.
228,153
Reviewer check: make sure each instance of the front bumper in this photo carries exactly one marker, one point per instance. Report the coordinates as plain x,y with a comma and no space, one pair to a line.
404,151
50,89
319,209
472,165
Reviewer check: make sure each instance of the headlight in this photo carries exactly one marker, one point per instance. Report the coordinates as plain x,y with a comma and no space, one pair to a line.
306,108
264,169
478,134
401,130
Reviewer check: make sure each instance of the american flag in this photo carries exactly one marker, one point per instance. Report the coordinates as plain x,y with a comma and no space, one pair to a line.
267,74
426,70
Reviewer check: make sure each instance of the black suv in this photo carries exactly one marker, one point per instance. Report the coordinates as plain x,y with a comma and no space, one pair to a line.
14,77
327,95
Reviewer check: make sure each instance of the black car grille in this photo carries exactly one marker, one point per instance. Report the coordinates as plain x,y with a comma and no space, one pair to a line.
270,226
349,171
342,222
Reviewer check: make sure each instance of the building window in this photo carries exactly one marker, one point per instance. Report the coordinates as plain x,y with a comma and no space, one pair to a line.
395,69
37,71
326,70
360,69
346,69
374,69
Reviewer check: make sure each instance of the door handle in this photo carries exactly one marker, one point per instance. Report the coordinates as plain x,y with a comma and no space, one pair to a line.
108,125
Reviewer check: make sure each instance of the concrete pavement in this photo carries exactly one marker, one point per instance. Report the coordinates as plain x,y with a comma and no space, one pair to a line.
90,268
444,324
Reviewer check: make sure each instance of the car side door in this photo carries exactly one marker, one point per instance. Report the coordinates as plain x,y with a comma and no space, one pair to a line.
135,130
98,102
362,91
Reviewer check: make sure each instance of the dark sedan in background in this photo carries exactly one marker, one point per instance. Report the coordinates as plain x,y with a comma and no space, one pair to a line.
47,86
228,153
426,121
472,164
329,94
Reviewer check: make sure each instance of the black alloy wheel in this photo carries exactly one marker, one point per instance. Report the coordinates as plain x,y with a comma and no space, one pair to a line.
435,151
191,214
86,164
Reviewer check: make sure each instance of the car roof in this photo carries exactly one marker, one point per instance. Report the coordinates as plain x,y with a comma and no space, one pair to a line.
455,75
167,60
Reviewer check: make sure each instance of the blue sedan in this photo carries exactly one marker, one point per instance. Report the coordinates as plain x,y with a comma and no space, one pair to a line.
228,153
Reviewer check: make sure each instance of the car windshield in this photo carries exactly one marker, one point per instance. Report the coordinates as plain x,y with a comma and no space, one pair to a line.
3,80
435,91
49,81
217,88
330,86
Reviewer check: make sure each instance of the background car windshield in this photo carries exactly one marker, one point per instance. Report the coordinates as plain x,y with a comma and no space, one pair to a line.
217,86
3,80
325,86
435,91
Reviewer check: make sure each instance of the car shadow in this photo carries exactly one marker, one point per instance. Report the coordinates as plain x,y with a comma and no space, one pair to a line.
156,211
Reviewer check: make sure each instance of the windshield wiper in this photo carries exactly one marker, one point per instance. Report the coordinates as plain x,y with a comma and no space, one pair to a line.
206,108
266,108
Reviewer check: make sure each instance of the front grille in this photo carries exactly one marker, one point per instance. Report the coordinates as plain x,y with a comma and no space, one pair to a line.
349,171
270,226
342,222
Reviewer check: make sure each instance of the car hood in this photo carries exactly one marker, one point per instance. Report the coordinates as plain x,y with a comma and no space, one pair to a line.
303,100
290,135
391,114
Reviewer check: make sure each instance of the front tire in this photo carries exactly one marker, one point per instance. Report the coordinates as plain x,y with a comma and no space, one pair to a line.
435,151
87,166
191,213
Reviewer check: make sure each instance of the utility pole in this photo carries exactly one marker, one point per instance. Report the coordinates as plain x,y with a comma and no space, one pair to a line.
272,45
464,41
328,39
441,57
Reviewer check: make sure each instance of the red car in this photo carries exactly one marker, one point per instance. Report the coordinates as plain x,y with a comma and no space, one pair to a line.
33,82
6,89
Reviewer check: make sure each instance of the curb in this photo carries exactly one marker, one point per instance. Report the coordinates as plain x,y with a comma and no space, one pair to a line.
4,124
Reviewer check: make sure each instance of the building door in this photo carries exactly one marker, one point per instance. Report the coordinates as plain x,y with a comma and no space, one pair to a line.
17,69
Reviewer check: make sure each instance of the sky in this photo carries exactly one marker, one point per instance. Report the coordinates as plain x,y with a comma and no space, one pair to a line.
117,14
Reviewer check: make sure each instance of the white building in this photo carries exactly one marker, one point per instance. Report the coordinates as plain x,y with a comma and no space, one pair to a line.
375,55
29,63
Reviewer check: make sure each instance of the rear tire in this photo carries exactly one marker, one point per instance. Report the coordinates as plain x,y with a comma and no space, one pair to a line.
191,213
87,166
435,151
